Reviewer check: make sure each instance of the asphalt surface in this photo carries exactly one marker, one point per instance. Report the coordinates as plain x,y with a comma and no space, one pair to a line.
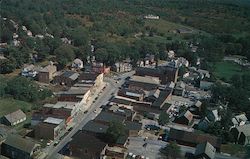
111,88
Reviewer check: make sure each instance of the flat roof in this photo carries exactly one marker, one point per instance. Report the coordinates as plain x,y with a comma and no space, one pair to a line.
52,120
147,79
67,105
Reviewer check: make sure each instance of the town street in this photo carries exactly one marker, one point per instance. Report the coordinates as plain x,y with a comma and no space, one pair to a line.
111,88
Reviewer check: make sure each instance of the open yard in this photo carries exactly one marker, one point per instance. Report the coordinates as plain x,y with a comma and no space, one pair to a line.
225,70
8,105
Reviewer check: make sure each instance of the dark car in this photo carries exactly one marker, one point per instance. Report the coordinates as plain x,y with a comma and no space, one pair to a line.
152,127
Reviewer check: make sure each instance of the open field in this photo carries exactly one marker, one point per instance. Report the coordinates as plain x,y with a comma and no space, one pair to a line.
8,105
225,70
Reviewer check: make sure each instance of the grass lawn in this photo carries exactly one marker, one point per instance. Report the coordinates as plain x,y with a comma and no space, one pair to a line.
8,105
163,26
225,70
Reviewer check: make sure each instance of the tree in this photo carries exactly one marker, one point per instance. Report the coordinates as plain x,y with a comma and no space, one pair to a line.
79,36
163,118
64,54
24,89
115,130
7,66
171,151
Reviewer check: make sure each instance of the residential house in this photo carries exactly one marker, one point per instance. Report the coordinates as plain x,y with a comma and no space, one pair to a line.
195,109
61,110
133,128
204,151
129,114
107,117
16,147
47,74
166,74
50,128
239,120
14,118
184,31
29,71
186,118
163,97
193,139
95,128
77,64
68,78
179,89
241,134
87,146
203,73
100,68
91,77
203,124
150,16
121,67
213,115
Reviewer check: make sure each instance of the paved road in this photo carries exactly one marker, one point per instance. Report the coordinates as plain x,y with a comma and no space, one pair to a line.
111,88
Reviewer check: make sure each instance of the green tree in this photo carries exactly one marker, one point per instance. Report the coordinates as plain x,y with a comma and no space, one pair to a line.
64,54
115,130
163,118
7,66
79,36
171,151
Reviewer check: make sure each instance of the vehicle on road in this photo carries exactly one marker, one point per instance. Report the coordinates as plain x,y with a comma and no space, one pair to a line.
95,111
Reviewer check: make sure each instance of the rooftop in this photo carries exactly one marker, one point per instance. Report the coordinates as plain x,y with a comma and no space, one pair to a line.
206,148
15,116
67,105
150,80
109,117
95,127
52,120
20,143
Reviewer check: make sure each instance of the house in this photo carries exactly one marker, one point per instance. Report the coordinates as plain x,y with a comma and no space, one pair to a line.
204,151
133,128
129,114
239,120
186,118
95,128
205,85
14,118
89,146
121,67
171,54
46,74
162,99
100,68
143,83
77,64
91,77
213,115
16,147
61,110
166,74
50,128
135,94
181,61
29,71
115,152
179,88
203,124
107,117
241,134
68,78
196,109
150,16
192,138
203,73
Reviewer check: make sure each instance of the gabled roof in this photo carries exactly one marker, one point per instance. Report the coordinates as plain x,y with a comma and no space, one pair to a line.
15,116
239,118
198,104
205,148
245,129
148,80
20,143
